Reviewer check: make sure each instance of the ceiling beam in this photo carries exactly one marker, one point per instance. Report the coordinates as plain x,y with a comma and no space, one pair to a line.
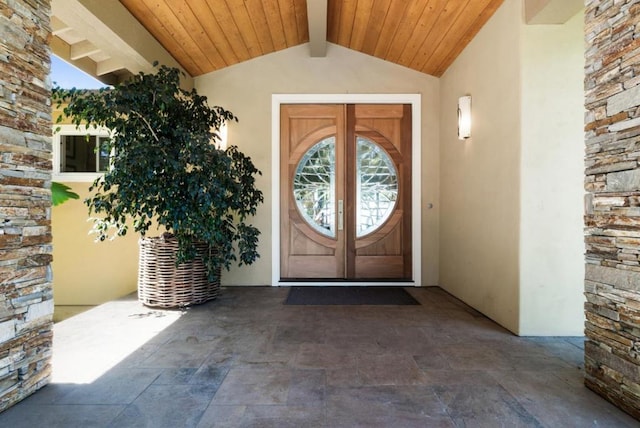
108,66
58,27
63,50
317,17
117,33
551,11
82,49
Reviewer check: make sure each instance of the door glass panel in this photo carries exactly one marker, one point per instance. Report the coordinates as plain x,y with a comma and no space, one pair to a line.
377,186
314,186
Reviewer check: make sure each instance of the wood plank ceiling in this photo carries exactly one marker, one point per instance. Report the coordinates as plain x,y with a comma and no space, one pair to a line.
207,35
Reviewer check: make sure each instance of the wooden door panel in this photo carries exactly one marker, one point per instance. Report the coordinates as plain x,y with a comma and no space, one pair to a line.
389,244
380,267
383,142
313,267
305,252
384,252
310,234
310,130
386,130
386,229
301,245
379,111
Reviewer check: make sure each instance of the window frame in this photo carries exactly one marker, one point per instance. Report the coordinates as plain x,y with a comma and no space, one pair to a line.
73,130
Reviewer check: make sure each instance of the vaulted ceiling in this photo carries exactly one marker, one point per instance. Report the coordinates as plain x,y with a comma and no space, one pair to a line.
111,40
206,35
425,35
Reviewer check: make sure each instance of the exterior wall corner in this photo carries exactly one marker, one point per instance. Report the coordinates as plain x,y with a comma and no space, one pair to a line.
612,212
26,299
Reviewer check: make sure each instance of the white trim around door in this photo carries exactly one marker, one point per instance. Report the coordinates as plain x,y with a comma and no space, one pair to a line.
416,214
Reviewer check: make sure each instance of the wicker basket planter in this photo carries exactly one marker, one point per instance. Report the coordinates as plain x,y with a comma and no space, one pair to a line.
162,284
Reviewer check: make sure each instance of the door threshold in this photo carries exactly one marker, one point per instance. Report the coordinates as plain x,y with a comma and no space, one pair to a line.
345,283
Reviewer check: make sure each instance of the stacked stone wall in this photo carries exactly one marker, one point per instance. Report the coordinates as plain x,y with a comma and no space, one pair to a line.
26,301
612,283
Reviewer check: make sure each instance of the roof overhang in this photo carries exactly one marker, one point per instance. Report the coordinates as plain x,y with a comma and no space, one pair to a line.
105,42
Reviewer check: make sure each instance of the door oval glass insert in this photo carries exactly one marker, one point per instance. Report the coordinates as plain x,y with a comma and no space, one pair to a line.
377,186
314,186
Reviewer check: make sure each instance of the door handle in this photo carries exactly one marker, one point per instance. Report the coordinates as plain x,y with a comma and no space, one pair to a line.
340,214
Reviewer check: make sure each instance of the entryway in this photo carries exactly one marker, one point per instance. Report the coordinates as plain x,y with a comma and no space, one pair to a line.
345,192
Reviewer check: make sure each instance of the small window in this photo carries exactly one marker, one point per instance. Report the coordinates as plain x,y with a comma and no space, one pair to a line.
80,154
83,153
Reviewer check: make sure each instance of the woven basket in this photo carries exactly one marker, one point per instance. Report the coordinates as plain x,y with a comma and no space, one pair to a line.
162,284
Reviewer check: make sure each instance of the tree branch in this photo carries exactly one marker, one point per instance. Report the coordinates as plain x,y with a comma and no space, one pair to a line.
146,123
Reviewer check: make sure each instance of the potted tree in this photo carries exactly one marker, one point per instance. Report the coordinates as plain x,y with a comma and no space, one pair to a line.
167,169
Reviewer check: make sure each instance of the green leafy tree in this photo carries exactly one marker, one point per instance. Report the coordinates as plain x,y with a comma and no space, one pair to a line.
166,167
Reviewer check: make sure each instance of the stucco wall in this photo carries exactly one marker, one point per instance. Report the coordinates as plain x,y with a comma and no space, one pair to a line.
511,198
551,231
246,90
480,177
88,272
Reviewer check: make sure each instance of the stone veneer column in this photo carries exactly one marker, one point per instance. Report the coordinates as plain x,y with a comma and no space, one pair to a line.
26,298
612,85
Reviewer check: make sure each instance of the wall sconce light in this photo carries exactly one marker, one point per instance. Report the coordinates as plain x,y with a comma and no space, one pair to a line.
223,136
464,117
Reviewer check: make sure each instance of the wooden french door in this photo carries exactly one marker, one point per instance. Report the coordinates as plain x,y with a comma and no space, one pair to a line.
345,192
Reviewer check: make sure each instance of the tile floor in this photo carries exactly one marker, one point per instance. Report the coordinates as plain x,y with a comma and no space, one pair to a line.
246,360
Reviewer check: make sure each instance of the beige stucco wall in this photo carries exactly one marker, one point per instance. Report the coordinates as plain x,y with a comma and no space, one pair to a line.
551,234
87,272
246,89
511,196
480,177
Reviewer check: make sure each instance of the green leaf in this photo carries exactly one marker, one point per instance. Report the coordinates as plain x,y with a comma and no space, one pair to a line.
61,193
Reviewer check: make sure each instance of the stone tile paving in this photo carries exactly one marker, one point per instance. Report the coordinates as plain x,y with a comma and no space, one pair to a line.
247,360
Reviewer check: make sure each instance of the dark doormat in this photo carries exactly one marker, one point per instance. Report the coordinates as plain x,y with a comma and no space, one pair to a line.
349,296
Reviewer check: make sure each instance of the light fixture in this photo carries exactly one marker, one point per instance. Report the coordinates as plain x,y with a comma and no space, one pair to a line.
223,136
464,117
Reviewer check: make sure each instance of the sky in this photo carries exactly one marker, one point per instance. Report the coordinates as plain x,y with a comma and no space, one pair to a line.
67,76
